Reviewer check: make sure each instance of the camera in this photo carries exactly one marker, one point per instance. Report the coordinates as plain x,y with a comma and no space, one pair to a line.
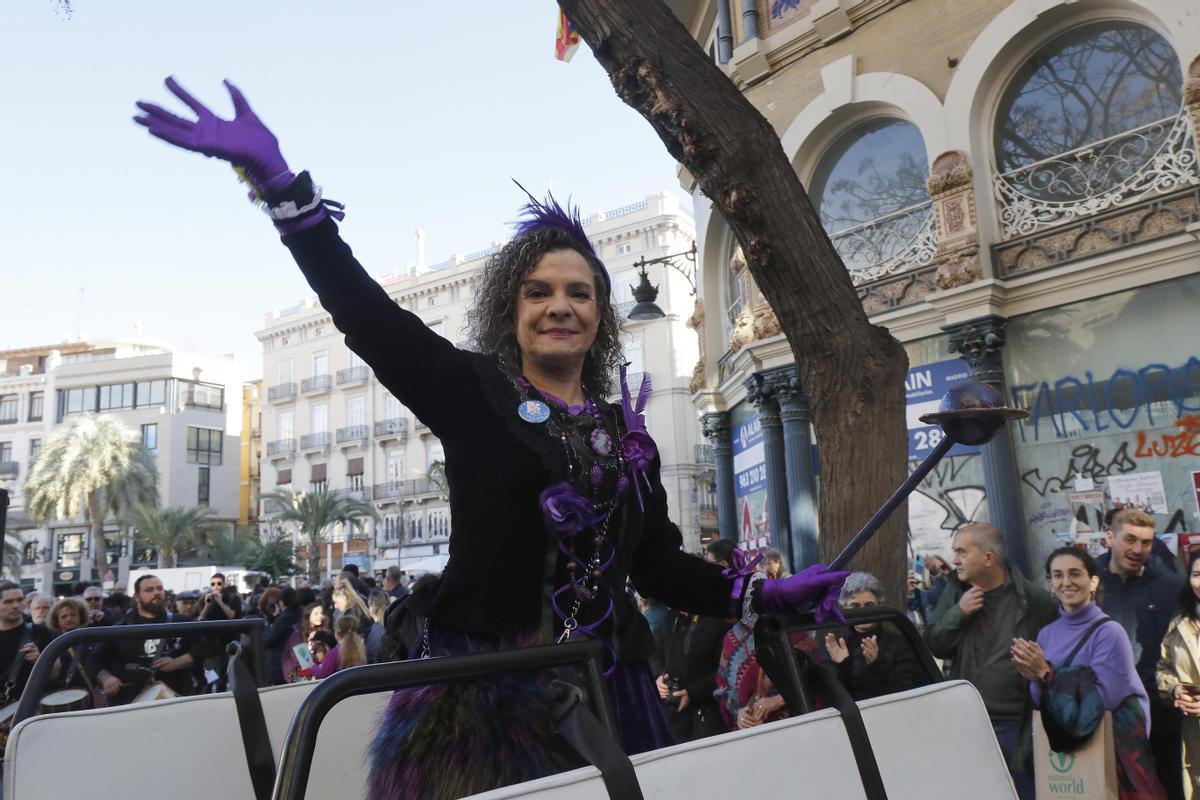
673,685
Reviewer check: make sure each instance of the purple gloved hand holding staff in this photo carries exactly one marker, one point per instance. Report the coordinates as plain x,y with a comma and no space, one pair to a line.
245,142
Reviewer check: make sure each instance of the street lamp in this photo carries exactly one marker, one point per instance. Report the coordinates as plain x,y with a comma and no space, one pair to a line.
644,294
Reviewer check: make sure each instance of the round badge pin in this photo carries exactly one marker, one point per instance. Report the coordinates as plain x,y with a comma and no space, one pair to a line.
533,411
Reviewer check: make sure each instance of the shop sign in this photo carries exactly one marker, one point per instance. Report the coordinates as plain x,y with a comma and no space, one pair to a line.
749,457
923,390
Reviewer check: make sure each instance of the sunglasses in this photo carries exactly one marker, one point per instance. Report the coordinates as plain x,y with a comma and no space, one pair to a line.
217,585
94,599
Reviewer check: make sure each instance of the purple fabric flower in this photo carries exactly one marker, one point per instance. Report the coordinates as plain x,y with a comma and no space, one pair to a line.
566,512
639,450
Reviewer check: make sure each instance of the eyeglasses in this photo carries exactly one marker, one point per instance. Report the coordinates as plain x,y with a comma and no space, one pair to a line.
217,585
93,599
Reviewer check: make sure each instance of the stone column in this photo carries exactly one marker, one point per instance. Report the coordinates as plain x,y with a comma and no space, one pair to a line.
760,392
715,426
979,342
801,482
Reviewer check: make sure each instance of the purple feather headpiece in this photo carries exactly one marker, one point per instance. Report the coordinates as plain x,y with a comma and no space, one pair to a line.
542,214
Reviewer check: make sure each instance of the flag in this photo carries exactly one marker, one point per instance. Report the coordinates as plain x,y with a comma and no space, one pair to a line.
568,40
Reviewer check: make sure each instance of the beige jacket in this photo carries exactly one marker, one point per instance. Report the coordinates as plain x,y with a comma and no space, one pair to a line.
1180,663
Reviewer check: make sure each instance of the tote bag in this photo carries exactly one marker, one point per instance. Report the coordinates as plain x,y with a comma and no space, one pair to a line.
1088,773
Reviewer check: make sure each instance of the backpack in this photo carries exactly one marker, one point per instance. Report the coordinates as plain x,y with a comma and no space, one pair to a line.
1072,707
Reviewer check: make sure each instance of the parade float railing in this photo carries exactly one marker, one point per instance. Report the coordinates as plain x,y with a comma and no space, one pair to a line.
39,678
295,762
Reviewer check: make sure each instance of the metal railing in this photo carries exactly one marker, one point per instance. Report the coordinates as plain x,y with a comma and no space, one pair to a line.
358,374
281,393
892,243
317,383
10,468
353,433
39,677
410,487
704,454
1148,160
295,763
281,447
397,426
315,441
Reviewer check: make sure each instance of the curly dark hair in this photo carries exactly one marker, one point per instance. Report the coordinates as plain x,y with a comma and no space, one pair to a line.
492,327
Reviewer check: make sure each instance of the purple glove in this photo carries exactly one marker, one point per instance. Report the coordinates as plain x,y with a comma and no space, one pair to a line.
243,141
814,585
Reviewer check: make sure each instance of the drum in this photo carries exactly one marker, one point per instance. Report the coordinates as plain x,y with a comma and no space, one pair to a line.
155,690
65,700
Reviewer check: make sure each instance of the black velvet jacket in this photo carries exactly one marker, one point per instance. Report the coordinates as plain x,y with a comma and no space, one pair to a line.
502,562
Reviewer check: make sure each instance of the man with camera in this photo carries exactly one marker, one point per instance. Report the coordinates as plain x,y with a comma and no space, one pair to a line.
691,649
126,668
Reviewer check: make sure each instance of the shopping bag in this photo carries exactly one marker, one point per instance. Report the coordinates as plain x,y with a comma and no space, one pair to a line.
1089,773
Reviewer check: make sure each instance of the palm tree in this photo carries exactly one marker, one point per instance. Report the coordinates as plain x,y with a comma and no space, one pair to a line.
95,467
437,474
314,513
227,546
14,556
170,531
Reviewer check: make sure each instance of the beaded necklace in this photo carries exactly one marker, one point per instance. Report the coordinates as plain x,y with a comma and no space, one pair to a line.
597,479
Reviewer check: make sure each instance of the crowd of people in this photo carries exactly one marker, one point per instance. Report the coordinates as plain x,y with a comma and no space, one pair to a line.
1010,635
309,633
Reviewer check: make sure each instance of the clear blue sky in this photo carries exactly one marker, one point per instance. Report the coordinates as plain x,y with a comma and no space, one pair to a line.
413,114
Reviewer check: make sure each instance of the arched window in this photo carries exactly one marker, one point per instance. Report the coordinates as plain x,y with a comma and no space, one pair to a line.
1093,119
869,190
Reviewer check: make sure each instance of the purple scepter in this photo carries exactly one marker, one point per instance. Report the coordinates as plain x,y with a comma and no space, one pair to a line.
971,413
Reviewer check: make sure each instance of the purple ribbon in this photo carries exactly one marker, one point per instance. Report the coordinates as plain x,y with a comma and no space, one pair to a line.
636,445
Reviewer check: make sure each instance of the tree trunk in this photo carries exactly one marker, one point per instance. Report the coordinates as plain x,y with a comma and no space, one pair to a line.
852,371
313,557
98,544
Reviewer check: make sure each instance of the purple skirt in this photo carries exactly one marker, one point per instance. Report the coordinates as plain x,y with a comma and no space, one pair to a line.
447,742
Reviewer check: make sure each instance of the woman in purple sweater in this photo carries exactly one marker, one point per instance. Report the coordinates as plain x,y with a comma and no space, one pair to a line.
1074,580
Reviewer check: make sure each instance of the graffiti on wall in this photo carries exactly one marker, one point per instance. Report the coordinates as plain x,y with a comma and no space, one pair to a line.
951,495
1075,405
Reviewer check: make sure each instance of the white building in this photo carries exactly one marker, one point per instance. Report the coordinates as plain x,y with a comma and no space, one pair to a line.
186,409
328,425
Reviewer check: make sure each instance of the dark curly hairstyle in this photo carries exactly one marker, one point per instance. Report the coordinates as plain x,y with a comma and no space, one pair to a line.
492,327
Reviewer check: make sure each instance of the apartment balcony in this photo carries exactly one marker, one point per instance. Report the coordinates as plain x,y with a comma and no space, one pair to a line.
9,469
353,435
315,441
704,455
396,428
317,384
350,375
281,448
270,506
356,494
405,489
282,393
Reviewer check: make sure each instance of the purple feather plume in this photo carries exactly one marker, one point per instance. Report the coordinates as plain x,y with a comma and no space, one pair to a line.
542,214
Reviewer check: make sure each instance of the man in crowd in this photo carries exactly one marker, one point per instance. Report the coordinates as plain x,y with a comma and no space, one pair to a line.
20,643
393,583
93,598
124,669
1141,592
39,607
691,650
187,605
217,603
984,606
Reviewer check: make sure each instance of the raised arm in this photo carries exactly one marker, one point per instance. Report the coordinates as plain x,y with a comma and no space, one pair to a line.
422,369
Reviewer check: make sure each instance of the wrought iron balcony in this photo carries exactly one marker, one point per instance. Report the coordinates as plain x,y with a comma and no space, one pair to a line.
281,448
704,454
270,506
1140,163
390,428
408,488
363,493
893,243
315,441
9,469
358,374
281,393
316,384
353,434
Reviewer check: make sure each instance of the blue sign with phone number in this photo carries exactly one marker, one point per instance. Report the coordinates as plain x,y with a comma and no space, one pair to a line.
923,390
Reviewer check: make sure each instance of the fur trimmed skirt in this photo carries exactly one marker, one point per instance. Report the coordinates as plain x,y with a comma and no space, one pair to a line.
444,742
